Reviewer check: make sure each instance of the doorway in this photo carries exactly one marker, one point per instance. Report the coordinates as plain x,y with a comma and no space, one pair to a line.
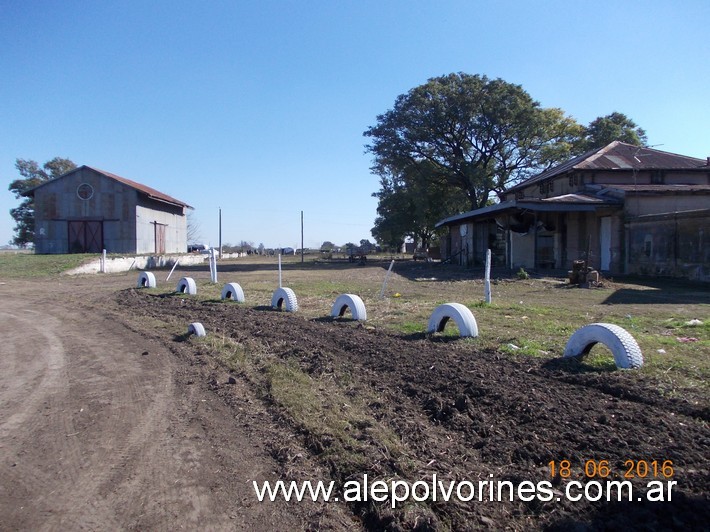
605,243
160,238
86,236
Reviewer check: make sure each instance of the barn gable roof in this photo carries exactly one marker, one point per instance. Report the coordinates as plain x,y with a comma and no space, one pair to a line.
143,189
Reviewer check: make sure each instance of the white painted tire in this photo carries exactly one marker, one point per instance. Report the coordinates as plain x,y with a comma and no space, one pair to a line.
186,285
197,329
233,291
459,313
352,302
626,351
146,280
286,298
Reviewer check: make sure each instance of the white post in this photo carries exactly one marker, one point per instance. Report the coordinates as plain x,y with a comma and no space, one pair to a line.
171,271
487,286
213,265
103,262
384,284
279,270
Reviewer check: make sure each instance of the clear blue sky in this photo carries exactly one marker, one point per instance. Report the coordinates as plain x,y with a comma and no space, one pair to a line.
259,107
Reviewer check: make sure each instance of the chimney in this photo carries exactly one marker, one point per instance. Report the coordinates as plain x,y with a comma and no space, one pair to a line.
708,163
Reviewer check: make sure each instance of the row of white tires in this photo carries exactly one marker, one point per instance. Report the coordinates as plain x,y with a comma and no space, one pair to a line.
626,351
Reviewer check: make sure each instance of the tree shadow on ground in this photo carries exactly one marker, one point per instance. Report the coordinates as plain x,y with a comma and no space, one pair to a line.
659,292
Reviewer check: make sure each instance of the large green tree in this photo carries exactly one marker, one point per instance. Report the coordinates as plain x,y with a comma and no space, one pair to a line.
411,203
614,126
32,175
478,135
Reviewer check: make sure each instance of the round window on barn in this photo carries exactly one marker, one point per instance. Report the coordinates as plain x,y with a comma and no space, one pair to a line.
85,191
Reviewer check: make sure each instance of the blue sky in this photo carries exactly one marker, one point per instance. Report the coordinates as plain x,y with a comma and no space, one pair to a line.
259,107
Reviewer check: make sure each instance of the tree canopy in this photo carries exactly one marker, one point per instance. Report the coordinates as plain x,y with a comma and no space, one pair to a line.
477,134
456,141
411,203
615,126
32,176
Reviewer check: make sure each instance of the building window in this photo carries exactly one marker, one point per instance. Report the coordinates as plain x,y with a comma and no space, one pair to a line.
546,187
648,246
85,191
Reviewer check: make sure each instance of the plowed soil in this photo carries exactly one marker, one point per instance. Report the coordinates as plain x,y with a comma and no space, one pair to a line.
113,418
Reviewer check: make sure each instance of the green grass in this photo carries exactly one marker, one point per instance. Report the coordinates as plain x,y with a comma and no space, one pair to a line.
29,265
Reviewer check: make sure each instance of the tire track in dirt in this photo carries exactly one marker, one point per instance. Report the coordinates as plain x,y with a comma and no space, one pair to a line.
96,411
104,428
36,370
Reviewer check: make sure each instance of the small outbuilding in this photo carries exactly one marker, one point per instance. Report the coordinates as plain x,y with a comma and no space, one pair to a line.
88,210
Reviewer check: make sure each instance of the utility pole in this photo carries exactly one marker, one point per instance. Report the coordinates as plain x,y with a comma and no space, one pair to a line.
301,237
220,233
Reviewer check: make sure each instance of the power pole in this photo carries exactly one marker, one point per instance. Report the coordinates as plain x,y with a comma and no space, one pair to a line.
301,237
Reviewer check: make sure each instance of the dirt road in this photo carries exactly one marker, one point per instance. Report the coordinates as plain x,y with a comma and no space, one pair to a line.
101,429
109,420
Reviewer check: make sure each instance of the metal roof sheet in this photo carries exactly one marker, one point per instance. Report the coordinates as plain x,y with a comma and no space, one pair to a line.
151,192
566,203
148,191
620,156
574,198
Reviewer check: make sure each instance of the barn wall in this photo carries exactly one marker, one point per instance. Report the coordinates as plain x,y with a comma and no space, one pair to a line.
57,203
150,212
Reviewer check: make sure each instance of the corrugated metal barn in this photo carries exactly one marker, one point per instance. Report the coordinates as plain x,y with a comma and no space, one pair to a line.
89,210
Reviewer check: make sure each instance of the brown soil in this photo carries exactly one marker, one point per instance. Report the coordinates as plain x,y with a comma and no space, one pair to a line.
110,420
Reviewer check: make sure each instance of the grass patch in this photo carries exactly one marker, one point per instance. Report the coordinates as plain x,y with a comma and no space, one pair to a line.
29,265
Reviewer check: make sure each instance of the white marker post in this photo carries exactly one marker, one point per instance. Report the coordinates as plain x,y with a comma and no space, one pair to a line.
384,284
171,271
487,283
213,265
279,270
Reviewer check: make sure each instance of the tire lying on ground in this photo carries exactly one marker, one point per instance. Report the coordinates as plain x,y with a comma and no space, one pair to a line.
197,329
284,297
186,285
461,315
233,291
626,351
146,280
352,302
